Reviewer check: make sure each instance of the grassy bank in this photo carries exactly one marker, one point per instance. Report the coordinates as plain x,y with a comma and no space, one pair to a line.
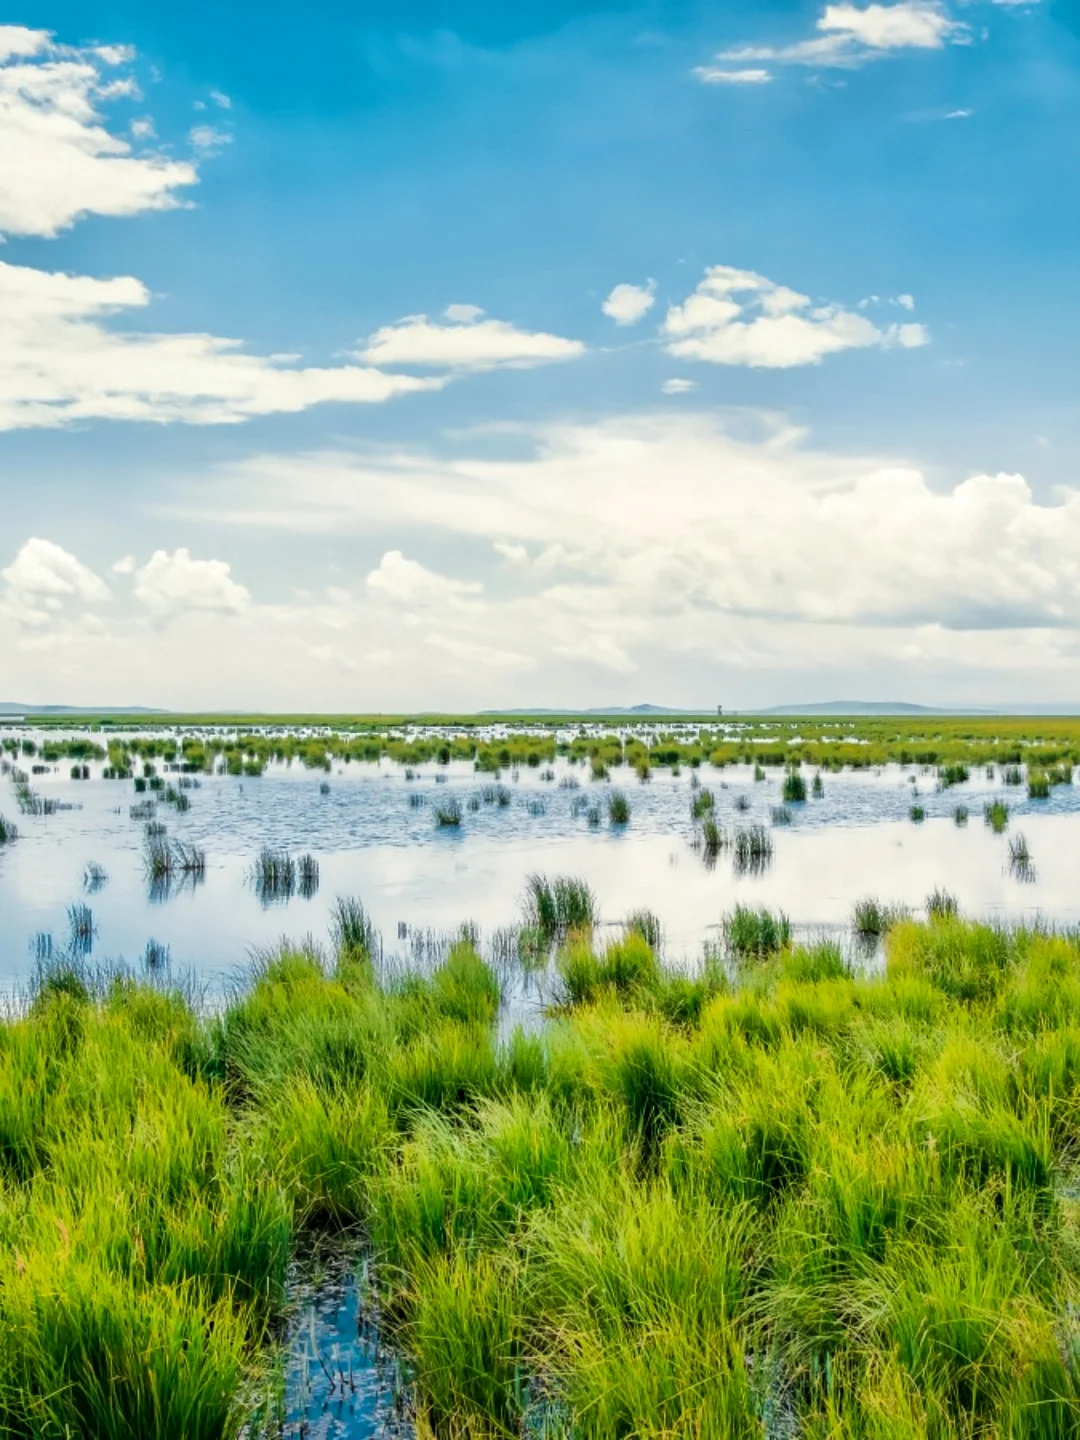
774,1200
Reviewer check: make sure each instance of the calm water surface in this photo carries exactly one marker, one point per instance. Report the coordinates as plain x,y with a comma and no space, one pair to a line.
413,877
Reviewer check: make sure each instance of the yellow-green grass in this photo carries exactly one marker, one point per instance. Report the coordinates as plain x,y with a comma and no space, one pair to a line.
769,1197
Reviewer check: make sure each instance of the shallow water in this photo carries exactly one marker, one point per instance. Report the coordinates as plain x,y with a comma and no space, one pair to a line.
414,877
339,1383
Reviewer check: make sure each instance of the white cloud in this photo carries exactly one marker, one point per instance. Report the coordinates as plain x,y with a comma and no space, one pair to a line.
174,585
407,582
678,386
714,75
516,554
736,317
906,302
44,580
208,137
124,566
463,313
143,128
58,160
60,363
473,345
221,99
850,35
698,547
627,304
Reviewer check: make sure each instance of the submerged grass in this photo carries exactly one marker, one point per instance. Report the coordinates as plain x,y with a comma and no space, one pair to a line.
761,1199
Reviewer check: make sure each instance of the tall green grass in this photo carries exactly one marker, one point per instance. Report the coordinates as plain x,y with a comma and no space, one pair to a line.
773,1198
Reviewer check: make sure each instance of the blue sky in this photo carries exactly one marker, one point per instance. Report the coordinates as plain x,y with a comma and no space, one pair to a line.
757,382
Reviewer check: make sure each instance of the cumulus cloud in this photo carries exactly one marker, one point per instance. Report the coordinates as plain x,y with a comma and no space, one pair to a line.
848,36
174,585
58,159
627,304
680,515
61,363
736,317
406,582
45,580
466,343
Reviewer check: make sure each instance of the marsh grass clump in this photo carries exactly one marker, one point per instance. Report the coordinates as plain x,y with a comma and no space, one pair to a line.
742,803
417,800
1020,861
752,849
941,905
1012,775
917,814
960,815
781,815
307,876
535,807
556,907
274,875
8,832
1038,785
711,838
759,774
794,792
448,813
81,928
155,956
750,933
646,924
498,795
949,775
618,808
872,919
352,930
702,803
817,788
996,815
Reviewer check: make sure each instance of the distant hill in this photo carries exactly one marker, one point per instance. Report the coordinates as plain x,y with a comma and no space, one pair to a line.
10,708
862,707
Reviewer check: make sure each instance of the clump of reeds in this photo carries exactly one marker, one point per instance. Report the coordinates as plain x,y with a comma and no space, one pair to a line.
274,874
168,861
498,795
307,876
949,775
781,815
555,907
417,800
917,814
352,929
646,924
324,787
941,905
618,808
742,803
752,848
8,831
535,807
759,774
960,815
794,792
155,956
755,933
996,815
1038,785
81,928
817,788
1012,775
598,769
873,919
711,838
448,814
702,803
1020,861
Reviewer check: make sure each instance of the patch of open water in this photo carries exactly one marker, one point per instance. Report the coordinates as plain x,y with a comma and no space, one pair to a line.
374,835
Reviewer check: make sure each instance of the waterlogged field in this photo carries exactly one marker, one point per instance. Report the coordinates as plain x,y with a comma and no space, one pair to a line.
202,844
758,1116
